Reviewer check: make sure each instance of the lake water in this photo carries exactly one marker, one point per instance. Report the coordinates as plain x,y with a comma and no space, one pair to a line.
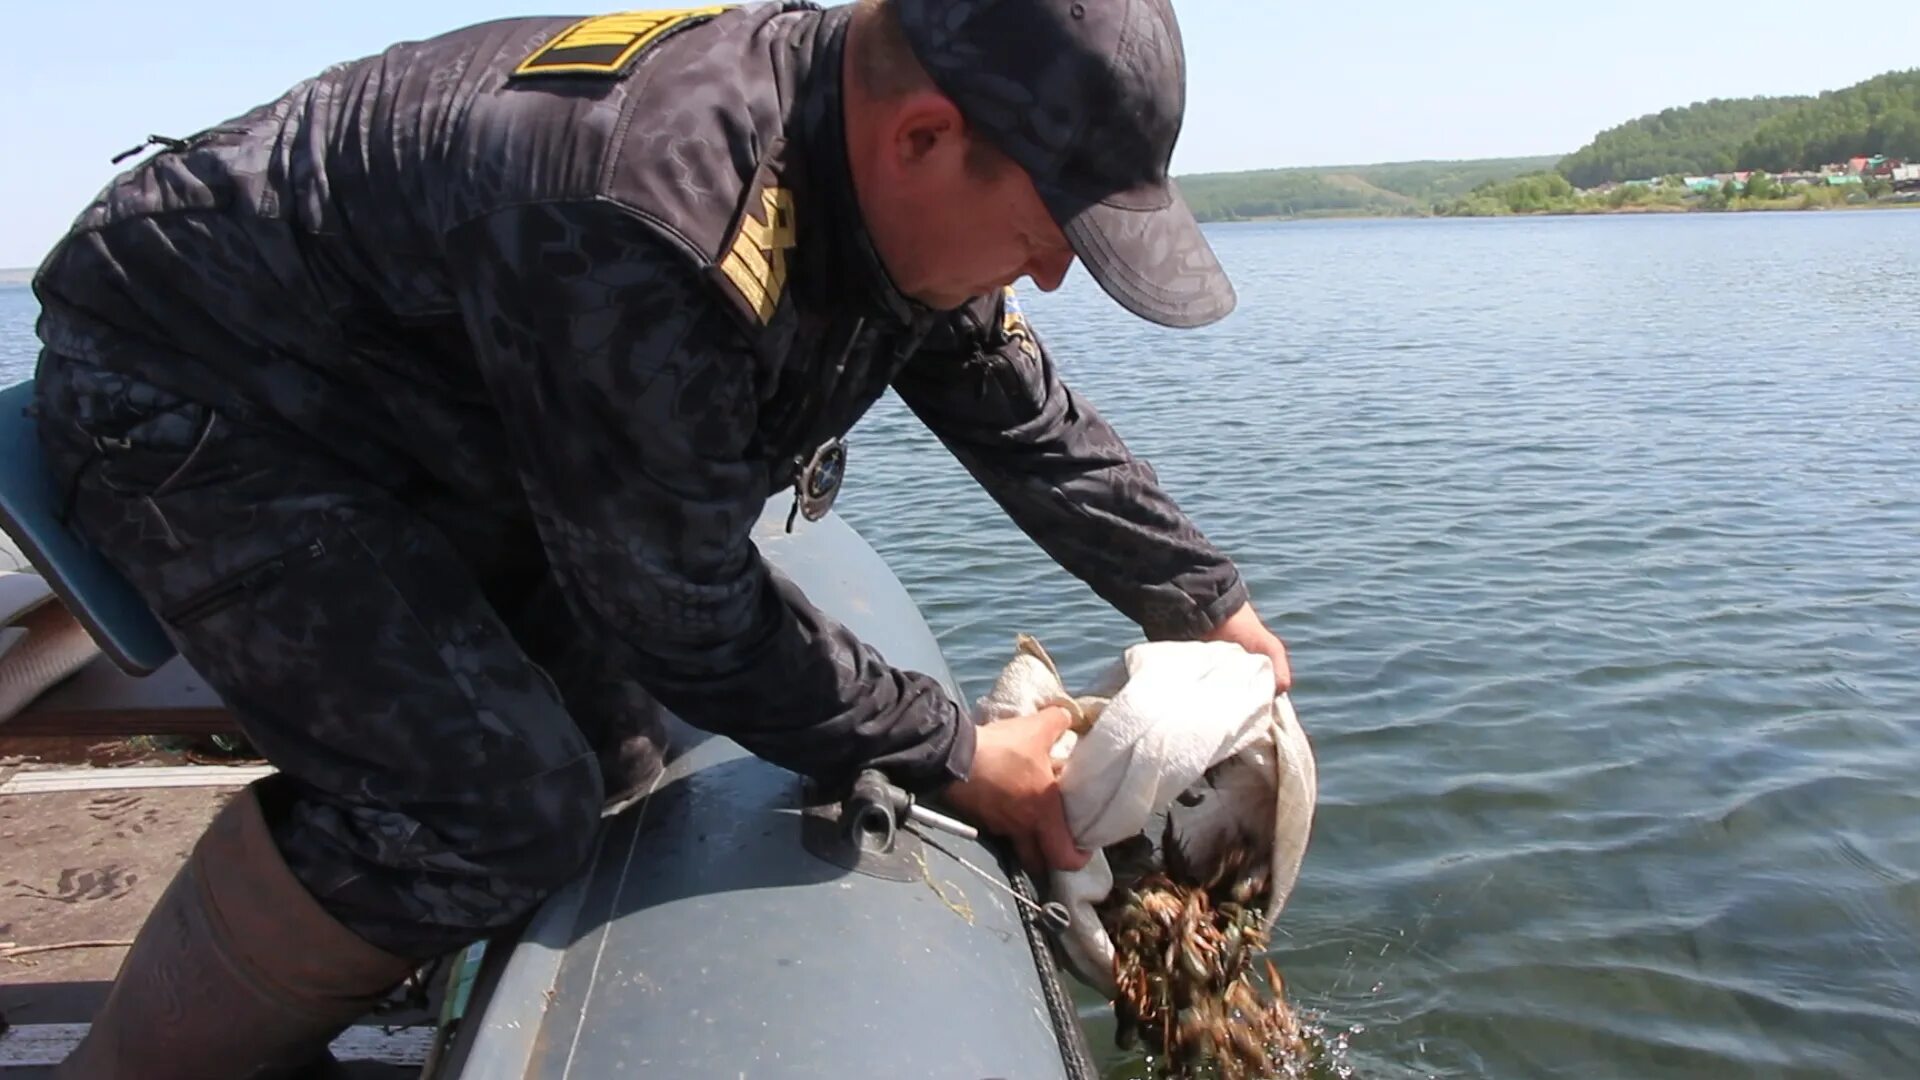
1597,545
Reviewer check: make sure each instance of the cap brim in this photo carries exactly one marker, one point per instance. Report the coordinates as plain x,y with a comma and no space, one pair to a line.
1156,262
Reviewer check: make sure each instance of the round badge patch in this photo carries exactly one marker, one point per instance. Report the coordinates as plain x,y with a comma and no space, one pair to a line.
816,482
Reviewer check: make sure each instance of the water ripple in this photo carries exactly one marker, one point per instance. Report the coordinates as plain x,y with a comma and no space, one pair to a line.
1597,567
1595,544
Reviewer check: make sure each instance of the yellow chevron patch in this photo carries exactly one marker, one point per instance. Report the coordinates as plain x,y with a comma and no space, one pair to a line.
1013,322
606,44
756,262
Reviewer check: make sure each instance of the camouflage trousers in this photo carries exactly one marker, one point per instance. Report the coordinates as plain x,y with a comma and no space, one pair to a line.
446,733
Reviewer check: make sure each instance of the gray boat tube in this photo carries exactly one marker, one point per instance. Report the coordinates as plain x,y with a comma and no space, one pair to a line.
718,933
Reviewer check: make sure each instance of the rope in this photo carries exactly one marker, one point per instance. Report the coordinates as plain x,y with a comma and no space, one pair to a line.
1075,1055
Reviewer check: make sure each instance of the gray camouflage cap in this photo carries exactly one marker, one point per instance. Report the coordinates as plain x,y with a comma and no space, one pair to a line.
1087,96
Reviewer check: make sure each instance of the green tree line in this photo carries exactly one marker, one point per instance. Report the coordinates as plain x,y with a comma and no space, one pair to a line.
1409,187
1697,139
1878,116
1534,193
1552,193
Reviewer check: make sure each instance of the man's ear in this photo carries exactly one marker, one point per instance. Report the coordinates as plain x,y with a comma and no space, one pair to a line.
926,126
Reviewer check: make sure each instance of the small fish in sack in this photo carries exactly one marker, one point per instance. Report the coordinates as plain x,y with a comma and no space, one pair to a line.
1194,786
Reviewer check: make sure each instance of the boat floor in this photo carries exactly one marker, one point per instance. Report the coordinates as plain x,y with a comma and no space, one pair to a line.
92,831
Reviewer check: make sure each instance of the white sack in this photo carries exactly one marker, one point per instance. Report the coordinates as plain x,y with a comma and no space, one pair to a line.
1146,731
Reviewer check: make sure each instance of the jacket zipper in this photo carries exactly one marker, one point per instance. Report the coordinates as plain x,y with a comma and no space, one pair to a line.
253,578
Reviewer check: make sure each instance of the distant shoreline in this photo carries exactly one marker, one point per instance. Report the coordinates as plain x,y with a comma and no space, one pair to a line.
24,275
1782,207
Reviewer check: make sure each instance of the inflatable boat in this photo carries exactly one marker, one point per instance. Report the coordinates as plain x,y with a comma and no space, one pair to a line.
732,925
734,921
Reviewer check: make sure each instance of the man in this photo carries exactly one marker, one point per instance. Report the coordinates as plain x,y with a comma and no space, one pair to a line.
430,406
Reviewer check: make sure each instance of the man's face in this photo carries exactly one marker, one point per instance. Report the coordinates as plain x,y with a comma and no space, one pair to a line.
950,229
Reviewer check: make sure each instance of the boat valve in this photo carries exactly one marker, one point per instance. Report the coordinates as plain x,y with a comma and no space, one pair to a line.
875,809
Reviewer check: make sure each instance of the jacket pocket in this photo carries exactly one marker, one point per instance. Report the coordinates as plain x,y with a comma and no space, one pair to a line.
248,581
152,453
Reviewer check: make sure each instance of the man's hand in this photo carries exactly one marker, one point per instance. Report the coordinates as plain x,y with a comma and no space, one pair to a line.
1012,790
1245,629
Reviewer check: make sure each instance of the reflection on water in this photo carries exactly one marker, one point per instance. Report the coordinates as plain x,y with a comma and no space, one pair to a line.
1595,544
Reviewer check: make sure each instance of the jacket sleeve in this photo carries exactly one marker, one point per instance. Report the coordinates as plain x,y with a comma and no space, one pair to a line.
628,397
986,386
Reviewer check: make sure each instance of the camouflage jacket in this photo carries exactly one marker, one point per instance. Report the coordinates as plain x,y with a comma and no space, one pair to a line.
610,273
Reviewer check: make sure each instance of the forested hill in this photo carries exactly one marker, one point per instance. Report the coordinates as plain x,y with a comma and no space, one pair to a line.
1879,116
1695,140
1407,187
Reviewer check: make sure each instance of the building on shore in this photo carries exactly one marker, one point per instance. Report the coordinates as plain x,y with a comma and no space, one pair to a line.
1854,172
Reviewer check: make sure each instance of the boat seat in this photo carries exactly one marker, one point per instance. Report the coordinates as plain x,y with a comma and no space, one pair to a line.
119,622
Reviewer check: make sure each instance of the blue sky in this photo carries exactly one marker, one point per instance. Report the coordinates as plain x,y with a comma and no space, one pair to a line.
1269,83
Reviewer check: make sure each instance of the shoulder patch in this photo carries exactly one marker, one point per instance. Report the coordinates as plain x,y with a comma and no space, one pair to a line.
755,259
1013,322
607,44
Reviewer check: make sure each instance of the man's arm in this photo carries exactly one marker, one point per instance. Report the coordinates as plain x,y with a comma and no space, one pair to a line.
628,399
987,388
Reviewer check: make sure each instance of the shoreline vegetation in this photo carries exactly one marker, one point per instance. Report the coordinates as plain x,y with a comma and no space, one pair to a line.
1545,195
1550,195
1851,148
1501,203
1661,210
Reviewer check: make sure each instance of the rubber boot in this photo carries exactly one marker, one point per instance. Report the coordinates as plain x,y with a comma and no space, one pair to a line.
237,973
